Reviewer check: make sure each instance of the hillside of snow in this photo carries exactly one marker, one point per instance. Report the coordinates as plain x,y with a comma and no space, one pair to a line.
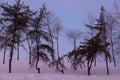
21,70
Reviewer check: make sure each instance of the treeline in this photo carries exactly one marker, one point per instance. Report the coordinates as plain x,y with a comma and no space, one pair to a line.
38,31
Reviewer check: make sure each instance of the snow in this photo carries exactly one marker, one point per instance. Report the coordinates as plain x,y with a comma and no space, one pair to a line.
21,71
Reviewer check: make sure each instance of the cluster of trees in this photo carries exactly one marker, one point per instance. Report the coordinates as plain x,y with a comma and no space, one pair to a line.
101,42
20,25
40,30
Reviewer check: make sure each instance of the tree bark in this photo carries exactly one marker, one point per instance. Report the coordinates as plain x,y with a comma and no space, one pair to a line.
106,59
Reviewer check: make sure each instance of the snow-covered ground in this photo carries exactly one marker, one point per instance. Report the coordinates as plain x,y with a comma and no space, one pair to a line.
22,71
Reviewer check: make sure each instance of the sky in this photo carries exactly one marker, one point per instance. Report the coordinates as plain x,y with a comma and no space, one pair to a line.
73,13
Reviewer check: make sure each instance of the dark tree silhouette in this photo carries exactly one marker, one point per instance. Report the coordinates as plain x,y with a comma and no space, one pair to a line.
91,48
103,35
17,17
90,25
38,35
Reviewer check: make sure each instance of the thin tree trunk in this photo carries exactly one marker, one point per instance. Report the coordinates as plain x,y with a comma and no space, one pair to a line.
37,47
59,61
18,45
4,54
37,57
53,58
12,50
18,51
74,55
5,50
89,65
37,64
11,56
112,48
95,61
58,47
106,59
89,68
29,51
89,72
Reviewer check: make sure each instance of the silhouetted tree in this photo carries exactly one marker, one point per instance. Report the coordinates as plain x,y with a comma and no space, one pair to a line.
91,26
91,48
17,17
38,35
103,35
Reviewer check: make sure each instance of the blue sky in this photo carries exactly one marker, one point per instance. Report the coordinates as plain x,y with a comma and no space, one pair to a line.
72,13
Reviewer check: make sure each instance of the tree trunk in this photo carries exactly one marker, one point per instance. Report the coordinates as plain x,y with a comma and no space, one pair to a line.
18,51
89,71
58,47
53,57
11,52
37,53
112,48
89,65
29,51
59,61
74,55
11,56
107,64
95,61
74,64
37,64
4,54
89,68
10,63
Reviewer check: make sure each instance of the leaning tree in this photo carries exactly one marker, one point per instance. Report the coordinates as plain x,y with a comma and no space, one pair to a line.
40,38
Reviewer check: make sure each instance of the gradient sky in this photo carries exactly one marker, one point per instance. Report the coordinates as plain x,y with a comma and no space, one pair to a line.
72,13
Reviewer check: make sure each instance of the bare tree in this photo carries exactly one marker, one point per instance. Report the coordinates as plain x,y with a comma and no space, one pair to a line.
50,21
110,22
114,24
74,36
57,29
